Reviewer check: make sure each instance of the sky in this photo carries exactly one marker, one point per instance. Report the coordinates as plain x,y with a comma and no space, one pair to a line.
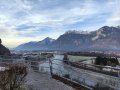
33,20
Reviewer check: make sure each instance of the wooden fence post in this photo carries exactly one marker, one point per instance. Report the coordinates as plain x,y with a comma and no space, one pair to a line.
50,64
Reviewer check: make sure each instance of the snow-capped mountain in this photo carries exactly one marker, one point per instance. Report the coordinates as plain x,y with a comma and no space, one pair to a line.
105,38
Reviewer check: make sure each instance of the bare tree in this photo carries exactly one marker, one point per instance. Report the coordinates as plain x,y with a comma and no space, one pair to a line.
4,80
13,78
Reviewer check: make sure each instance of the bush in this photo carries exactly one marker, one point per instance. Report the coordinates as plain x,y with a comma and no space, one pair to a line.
13,78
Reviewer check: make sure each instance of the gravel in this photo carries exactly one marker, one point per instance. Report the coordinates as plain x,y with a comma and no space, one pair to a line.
42,81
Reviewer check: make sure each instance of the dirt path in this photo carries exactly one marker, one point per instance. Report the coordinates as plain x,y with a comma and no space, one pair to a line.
41,81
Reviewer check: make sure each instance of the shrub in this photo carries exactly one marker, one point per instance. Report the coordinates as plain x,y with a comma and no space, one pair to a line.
13,78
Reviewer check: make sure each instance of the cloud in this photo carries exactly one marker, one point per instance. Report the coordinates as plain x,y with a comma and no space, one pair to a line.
7,32
30,20
114,19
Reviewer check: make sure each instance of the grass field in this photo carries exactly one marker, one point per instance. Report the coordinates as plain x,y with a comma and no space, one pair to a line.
79,58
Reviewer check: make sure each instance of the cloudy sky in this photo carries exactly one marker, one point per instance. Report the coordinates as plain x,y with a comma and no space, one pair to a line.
32,20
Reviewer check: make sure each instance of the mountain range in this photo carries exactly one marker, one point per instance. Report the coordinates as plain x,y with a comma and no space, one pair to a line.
105,38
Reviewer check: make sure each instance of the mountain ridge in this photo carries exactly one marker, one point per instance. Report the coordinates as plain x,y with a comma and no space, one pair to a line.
35,45
105,38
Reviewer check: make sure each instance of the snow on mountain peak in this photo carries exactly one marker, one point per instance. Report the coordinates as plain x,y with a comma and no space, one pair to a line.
76,32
